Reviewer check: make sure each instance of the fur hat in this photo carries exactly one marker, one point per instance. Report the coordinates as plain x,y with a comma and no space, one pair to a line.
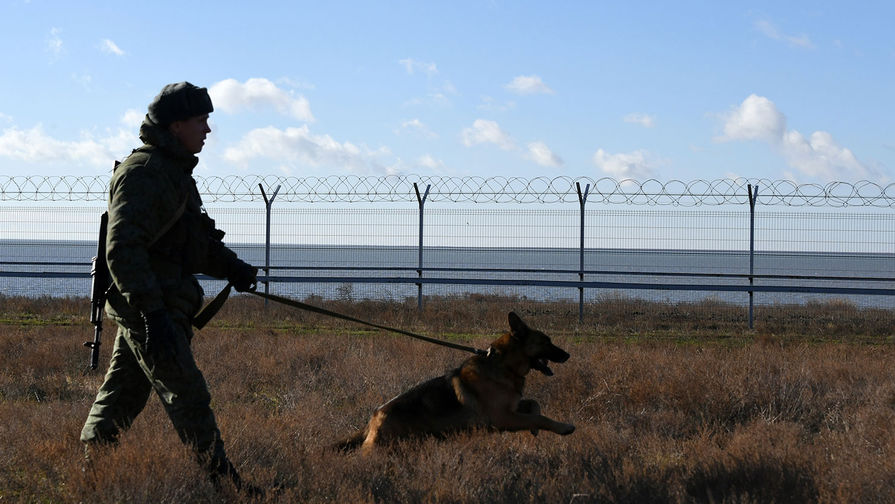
179,101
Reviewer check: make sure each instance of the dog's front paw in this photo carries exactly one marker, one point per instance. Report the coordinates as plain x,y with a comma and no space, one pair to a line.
565,429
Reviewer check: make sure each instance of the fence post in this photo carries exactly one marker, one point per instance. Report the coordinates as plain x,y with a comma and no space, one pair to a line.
582,199
267,203
753,196
419,286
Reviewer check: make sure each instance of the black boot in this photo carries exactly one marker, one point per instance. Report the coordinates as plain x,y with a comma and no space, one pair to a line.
223,469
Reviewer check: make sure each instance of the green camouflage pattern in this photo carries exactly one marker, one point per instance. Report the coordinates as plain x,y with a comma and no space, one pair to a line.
152,256
151,271
176,380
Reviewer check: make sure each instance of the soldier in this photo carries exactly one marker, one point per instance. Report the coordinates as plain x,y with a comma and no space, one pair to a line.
158,237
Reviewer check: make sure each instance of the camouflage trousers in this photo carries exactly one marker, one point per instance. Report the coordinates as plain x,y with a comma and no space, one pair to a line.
133,374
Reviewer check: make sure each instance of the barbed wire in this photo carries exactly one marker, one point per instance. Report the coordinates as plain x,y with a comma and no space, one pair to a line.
400,188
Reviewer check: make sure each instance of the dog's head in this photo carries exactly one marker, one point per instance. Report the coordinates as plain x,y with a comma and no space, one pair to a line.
537,345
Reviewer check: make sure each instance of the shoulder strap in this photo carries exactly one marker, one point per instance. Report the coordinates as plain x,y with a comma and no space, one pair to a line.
167,226
171,222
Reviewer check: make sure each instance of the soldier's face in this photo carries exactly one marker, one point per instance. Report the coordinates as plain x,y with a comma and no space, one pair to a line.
191,132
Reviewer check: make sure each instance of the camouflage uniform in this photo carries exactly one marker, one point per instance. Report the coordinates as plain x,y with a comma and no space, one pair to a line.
153,268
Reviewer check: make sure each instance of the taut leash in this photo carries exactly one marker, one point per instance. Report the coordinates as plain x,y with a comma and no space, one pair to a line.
212,307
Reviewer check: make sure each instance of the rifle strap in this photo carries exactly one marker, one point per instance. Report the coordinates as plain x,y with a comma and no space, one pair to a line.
177,214
104,222
164,229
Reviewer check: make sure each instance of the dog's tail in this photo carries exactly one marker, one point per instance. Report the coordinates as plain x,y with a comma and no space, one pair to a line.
352,442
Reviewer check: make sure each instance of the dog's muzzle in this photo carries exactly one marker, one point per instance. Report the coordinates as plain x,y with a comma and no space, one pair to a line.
554,354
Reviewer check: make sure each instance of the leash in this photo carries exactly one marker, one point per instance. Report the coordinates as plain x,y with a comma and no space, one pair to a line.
214,305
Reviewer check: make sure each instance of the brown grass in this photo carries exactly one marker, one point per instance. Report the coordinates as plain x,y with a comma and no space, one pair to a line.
672,403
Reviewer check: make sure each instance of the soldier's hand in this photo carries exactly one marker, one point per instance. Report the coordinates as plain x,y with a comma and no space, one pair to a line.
161,338
243,276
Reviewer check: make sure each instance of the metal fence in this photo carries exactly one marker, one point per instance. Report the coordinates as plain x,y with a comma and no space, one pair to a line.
578,239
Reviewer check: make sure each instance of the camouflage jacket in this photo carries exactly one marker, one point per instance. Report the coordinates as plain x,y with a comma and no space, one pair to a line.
152,253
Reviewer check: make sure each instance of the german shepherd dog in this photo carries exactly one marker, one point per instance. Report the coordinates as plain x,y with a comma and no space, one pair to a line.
484,392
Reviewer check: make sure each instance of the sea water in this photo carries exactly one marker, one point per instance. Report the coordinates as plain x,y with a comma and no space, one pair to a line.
62,268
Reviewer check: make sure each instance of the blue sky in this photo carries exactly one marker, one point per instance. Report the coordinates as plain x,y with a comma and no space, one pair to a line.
664,90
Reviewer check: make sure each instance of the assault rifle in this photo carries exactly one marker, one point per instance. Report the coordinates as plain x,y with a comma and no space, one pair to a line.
101,280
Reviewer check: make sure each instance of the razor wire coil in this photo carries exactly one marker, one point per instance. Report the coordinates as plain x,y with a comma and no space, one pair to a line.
545,190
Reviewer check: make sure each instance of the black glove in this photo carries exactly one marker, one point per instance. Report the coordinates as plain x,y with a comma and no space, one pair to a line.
243,276
160,335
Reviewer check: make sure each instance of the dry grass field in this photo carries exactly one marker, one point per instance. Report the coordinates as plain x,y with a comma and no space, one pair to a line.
672,403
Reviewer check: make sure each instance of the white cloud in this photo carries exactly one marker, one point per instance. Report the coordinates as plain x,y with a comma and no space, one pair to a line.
54,43
412,66
109,47
298,145
819,155
757,118
485,131
447,87
415,127
231,96
771,31
528,84
822,157
435,99
436,96
430,163
83,80
35,146
296,83
489,105
635,165
647,121
132,118
542,155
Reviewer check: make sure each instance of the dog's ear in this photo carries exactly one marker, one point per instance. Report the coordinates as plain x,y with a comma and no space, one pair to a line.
517,326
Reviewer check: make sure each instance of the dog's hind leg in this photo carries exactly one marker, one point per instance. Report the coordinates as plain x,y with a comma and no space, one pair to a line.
352,442
376,430
531,407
